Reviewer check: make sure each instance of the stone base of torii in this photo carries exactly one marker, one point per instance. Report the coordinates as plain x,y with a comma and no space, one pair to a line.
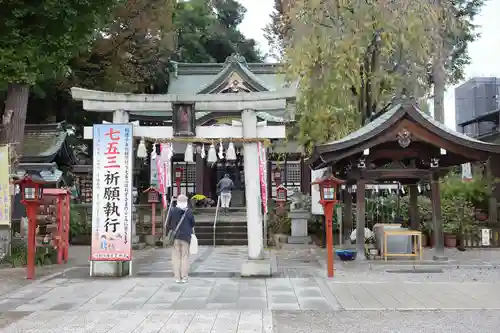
246,103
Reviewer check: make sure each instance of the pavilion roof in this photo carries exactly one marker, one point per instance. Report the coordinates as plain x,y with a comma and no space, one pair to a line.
43,143
380,129
214,78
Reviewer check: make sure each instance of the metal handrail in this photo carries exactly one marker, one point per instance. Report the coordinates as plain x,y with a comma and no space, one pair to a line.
216,215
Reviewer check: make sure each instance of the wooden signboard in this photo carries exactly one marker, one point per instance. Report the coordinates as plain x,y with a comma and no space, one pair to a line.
183,119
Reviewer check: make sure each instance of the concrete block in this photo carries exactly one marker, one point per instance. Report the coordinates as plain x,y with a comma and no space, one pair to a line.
150,239
110,268
256,268
299,240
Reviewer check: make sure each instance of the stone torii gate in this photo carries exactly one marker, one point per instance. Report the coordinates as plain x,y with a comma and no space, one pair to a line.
246,103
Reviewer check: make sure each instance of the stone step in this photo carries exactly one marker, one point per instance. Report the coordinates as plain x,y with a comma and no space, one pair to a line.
211,210
221,228
219,235
221,221
223,242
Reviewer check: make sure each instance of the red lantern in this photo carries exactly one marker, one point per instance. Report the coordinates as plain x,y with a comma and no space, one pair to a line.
31,196
328,193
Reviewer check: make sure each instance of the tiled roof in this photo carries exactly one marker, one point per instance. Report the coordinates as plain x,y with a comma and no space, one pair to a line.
392,115
350,144
204,78
42,143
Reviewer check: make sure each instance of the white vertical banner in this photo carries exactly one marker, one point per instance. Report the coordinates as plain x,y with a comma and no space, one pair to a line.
466,172
316,207
112,193
263,175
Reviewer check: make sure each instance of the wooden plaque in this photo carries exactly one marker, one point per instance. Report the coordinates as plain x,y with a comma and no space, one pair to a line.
183,119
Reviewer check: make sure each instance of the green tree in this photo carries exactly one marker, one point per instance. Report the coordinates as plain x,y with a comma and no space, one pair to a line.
351,59
207,31
37,41
278,30
456,30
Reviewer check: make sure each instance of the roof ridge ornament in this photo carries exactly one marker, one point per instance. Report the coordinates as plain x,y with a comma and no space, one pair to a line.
404,138
236,58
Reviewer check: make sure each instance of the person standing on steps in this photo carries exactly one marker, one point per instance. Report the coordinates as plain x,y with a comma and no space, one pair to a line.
225,186
180,250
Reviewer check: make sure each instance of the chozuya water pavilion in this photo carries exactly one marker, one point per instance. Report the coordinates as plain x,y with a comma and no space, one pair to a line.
237,104
408,146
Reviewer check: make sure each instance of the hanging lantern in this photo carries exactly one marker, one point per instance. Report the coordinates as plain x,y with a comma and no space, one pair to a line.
188,154
202,153
419,188
142,151
212,155
221,151
231,152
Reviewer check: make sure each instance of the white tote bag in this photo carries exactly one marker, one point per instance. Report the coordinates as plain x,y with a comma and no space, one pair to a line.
193,247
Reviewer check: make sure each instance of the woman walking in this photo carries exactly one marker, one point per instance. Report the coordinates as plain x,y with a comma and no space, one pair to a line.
180,250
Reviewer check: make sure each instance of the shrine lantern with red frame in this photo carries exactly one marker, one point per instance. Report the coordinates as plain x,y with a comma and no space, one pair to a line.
31,186
178,179
153,195
277,176
281,196
328,198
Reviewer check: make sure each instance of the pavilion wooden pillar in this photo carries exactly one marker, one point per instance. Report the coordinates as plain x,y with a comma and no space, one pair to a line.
347,222
491,174
437,219
414,213
360,218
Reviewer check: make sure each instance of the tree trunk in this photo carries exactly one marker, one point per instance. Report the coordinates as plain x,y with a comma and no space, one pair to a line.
439,75
16,107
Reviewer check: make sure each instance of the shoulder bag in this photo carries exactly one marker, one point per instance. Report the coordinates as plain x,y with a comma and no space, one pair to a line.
170,238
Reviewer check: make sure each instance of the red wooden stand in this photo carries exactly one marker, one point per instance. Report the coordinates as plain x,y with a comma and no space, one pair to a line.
328,193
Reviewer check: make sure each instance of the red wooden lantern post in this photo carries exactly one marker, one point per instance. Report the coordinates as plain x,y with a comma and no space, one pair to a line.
61,239
178,178
31,196
328,198
281,196
153,198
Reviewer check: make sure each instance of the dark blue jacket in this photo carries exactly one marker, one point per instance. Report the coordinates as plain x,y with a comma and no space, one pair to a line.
186,228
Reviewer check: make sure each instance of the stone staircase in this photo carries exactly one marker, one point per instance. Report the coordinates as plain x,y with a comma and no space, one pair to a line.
229,230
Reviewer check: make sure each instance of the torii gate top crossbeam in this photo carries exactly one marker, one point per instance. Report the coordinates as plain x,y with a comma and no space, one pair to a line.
101,101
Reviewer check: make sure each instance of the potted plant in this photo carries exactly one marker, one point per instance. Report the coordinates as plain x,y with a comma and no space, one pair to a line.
279,225
371,250
450,230
426,228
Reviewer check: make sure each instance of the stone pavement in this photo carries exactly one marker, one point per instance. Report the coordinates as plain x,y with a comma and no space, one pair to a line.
222,261
486,321
14,278
231,304
298,299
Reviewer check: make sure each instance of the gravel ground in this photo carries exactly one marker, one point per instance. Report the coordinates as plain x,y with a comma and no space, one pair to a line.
387,322
440,275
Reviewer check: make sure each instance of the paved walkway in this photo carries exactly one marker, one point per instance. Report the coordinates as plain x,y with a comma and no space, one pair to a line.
231,304
298,299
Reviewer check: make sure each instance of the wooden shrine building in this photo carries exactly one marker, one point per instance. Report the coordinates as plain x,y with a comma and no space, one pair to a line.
405,145
233,76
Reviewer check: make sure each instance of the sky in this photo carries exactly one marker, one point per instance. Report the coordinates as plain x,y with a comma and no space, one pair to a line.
484,52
